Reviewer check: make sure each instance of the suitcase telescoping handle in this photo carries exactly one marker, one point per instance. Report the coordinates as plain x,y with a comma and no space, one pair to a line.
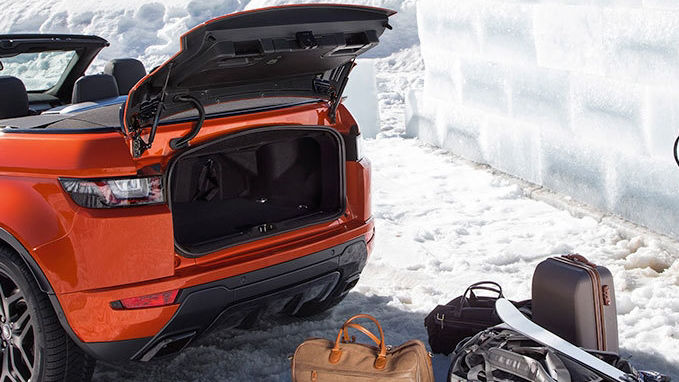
343,337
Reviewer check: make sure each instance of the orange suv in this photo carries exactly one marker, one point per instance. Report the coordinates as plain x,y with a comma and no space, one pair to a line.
138,211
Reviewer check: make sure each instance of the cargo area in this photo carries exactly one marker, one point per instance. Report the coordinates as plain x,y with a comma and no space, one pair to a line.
254,184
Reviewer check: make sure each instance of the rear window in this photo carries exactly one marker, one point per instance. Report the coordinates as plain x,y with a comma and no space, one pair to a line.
38,71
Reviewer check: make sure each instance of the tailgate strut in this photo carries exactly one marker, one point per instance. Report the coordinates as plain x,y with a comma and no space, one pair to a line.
342,76
156,106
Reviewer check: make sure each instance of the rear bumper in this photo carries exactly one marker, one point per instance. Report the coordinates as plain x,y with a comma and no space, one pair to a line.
243,299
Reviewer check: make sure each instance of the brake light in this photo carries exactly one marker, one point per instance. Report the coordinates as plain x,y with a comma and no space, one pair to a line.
118,192
148,301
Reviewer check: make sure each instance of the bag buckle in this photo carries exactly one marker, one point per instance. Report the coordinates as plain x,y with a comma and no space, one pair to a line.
440,317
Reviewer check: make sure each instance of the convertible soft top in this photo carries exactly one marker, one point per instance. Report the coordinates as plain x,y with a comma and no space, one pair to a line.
97,119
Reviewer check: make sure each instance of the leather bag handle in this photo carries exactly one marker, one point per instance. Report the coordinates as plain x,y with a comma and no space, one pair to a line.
469,294
491,286
342,336
362,330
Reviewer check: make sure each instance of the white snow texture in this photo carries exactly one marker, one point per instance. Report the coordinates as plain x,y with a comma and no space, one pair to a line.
577,95
529,87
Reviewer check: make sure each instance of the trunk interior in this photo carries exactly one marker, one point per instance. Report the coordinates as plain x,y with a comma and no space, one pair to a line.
254,184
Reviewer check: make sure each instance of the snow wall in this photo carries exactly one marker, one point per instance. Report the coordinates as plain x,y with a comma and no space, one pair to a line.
580,96
361,98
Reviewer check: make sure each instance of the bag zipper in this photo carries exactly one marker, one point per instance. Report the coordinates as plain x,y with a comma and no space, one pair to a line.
597,291
419,348
441,318
357,374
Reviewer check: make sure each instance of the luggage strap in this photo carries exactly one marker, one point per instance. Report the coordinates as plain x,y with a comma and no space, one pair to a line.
515,364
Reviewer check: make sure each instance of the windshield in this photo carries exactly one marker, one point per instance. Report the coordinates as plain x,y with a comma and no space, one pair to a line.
38,71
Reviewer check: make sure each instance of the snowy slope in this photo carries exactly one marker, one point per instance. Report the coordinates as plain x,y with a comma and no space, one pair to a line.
147,30
150,30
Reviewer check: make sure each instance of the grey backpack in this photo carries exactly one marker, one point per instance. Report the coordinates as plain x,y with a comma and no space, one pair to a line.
503,355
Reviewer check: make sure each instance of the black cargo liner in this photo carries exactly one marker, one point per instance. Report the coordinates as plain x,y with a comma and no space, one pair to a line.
254,184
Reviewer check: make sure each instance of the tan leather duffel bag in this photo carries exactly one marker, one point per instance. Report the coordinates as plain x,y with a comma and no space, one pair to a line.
321,360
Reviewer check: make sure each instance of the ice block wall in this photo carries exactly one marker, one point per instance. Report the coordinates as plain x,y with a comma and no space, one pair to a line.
361,97
581,96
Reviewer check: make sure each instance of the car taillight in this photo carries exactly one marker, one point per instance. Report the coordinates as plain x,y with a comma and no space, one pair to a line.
148,301
118,192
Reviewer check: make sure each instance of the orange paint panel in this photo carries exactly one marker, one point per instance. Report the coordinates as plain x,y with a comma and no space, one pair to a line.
93,319
206,271
111,247
34,210
74,155
358,188
92,257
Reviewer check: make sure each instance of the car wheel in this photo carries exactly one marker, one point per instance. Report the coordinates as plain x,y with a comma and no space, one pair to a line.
33,344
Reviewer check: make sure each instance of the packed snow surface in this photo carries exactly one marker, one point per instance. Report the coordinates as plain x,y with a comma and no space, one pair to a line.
442,224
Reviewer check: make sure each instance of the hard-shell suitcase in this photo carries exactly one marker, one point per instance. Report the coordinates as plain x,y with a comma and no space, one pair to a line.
575,299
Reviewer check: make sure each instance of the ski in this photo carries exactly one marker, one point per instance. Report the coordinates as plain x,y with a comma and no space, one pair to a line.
516,321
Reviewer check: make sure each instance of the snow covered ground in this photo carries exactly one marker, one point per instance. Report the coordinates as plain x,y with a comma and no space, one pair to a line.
444,223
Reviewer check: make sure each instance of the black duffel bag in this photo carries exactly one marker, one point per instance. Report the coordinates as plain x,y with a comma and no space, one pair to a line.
465,316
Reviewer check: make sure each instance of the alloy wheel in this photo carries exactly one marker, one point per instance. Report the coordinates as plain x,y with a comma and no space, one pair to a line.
17,333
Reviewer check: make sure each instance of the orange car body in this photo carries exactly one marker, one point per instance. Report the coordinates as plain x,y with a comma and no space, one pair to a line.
85,258
93,257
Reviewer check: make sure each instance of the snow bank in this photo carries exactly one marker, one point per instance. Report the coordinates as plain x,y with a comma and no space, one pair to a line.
578,96
361,93
144,29
150,30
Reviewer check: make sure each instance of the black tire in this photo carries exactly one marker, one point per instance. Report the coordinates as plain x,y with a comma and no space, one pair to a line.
33,344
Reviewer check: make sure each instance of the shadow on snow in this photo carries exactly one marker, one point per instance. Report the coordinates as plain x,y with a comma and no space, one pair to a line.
261,353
